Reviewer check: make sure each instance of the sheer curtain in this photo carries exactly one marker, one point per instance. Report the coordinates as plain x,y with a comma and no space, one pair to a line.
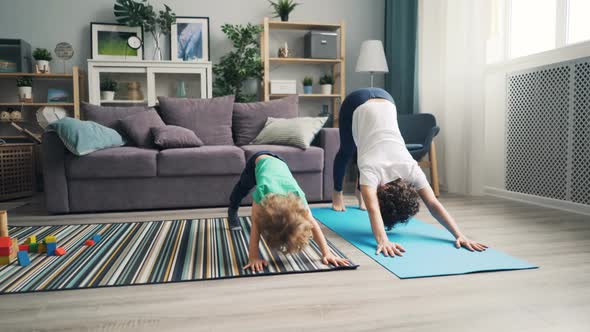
452,37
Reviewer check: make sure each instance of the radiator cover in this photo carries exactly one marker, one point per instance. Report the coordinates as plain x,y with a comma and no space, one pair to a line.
548,131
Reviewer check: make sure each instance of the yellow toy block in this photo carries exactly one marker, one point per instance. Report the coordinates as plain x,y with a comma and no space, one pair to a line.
31,239
50,239
5,260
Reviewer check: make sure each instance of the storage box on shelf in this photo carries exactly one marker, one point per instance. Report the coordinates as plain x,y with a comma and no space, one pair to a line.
337,65
141,82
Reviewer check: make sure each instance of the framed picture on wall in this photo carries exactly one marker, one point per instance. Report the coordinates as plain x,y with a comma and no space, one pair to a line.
109,41
189,39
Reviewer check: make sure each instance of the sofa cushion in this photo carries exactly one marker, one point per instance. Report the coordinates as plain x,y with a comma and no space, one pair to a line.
210,119
249,118
175,137
204,160
310,160
109,116
84,137
298,132
122,162
138,128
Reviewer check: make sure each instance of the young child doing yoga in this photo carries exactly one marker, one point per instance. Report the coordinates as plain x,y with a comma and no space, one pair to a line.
279,211
390,180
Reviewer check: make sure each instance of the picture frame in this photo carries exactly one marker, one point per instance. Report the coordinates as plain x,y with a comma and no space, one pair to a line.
58,96
109,42
189,39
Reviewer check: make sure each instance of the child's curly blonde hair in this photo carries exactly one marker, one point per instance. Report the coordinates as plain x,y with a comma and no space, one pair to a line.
282,222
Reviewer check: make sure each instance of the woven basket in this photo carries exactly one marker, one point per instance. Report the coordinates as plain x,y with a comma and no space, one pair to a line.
16,170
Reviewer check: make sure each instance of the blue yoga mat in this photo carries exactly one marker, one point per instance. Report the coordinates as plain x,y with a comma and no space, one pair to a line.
430,251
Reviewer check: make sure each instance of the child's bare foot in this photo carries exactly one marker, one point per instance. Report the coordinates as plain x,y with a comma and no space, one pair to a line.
359,197
338,201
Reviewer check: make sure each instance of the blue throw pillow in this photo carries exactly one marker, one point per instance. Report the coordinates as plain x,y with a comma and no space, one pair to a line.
84,137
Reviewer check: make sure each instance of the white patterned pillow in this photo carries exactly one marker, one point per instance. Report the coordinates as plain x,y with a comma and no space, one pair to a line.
298,132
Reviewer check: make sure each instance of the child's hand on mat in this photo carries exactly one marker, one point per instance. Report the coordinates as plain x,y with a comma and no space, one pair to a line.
389,248
336,261
256,264
469,244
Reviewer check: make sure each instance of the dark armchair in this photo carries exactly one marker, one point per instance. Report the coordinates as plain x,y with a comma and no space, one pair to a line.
418,131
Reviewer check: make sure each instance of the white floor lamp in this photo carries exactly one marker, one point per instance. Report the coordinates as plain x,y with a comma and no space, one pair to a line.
372,58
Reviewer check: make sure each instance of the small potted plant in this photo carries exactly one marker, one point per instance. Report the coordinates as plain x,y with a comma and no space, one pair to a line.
25,89
307,85
326,83
42,56
108,87
283,8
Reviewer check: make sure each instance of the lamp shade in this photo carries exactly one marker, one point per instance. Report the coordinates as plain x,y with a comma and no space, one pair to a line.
372,57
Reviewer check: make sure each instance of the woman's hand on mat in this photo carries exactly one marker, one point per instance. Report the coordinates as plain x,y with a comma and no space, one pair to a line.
389,248
256,264
338,201
336,261
470,245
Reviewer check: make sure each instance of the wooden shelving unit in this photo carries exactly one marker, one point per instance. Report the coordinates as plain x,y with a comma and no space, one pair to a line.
77,92
338,65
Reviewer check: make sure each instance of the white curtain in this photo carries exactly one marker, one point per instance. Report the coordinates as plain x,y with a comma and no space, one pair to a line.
452,37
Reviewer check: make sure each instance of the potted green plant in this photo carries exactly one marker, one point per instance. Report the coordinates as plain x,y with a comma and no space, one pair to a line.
239,66
326,83
25,88
283,8
108,87
42,56
307,85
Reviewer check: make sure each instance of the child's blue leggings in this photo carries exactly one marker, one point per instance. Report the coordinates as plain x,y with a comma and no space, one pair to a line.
347,146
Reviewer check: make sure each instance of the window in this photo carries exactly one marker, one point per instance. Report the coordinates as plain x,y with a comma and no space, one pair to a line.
532,26
578,28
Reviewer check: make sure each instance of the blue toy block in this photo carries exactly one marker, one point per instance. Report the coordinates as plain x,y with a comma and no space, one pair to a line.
23,258
96,238
51,248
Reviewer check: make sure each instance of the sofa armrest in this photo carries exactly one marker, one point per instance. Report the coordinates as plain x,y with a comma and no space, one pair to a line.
329,140
54,173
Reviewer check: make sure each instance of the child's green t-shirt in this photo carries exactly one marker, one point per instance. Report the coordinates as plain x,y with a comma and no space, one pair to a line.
274,177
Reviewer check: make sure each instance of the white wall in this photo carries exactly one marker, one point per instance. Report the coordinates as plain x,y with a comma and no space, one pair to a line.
45,23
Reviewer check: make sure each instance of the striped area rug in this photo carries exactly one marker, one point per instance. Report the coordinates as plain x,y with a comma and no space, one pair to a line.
148,253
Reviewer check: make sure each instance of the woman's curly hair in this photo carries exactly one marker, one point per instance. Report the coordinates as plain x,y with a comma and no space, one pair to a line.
283,223
398,202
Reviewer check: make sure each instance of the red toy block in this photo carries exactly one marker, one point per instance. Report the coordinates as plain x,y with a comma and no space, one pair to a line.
5,251
5,242
23,247
60,251
89,243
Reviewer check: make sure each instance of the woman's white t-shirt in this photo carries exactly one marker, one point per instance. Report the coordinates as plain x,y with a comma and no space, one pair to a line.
382,153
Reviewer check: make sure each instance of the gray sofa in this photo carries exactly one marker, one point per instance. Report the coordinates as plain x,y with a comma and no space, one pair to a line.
133,178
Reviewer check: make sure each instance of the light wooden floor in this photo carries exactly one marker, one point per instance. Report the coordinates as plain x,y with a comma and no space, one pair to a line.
555,297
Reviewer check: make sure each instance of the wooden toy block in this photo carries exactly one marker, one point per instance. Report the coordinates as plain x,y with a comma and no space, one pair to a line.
50,239
96,238
32,239
33,247
14,249
5,241
5,260
3,224
23,247
60,251
89,243
41,248
5,251
23,258
51,246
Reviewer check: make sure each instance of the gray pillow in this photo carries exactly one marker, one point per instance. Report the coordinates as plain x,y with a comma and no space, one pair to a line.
298,132
139,125
109,116
174,137
209,119
249,118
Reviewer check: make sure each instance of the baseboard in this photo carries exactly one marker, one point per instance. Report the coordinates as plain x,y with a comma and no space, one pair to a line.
539,201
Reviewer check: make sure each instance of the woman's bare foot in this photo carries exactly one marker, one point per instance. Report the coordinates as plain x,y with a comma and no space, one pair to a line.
359,197
338,201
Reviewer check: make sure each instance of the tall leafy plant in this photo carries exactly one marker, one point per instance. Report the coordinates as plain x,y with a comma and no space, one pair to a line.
240,64
140,13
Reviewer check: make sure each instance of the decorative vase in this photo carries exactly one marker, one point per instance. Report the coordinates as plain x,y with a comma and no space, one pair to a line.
307,89
157,49
107,95
285,17
181,89
43,66
134,91
25,93
326,89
